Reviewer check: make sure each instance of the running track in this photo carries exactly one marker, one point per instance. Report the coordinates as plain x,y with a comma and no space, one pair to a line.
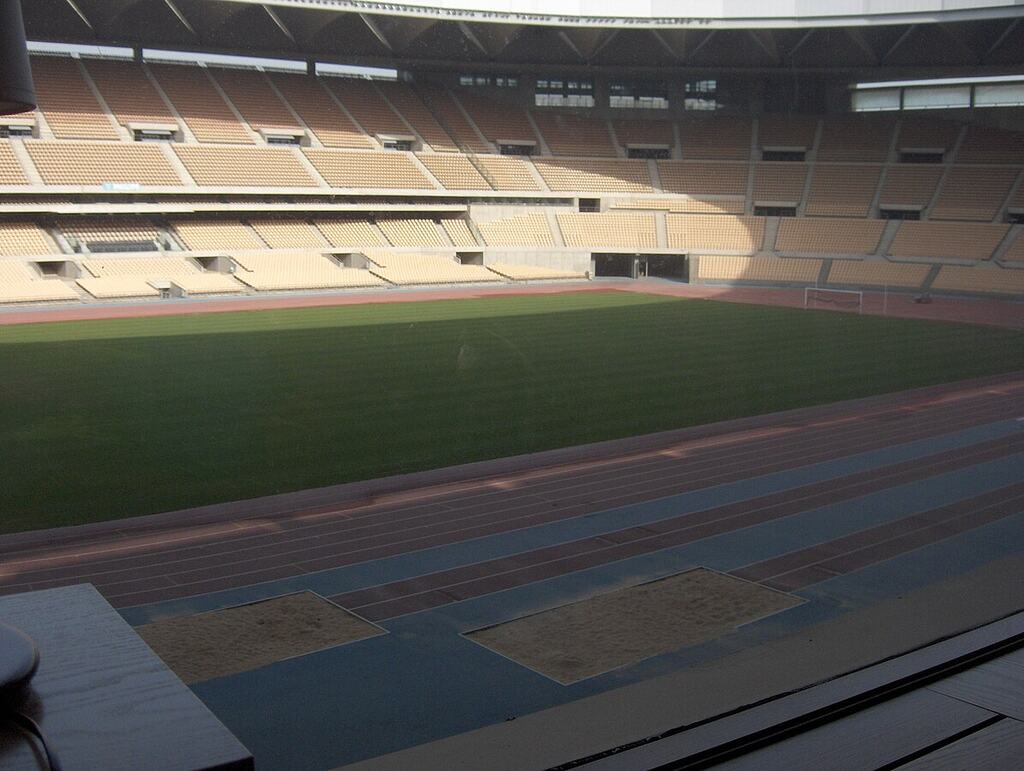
151,560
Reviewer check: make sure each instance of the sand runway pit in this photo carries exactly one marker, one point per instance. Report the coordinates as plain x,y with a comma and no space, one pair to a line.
246,637
583,639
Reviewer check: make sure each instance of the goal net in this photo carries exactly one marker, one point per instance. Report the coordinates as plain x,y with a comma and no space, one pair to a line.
850,300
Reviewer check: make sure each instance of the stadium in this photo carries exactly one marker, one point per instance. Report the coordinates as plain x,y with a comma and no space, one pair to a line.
491,384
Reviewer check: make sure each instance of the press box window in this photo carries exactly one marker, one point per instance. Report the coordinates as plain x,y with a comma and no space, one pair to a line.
700,95
642,95
564,92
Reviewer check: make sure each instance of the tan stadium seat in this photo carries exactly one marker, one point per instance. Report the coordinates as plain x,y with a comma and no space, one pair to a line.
454,119
23,239
365,103
1016,251
216,235
526,230
275,271
828,236
118,287
99,163
571,134
115,274
251,94
594,176
988,144
986,280
110,230
203,109
67,102
779,182
309,98
927,133
411,107
779,130
129,94
961,240
458,231
717,232
287,233
21,284
687,205
532,272
702,178
244,166
909,185
454,171
757,269
716,137
877,273
11,172
842,191
644,132
974,193
368,169
856,138
498,119
509,173
410,269
351,232
604,230
411,231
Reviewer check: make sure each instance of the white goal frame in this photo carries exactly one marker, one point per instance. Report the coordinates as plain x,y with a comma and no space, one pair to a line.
852,293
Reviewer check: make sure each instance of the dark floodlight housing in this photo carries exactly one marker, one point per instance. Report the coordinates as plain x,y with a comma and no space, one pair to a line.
16,91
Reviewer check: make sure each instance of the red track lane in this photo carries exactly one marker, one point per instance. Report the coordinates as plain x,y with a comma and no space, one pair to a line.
169,561
604,486
443,587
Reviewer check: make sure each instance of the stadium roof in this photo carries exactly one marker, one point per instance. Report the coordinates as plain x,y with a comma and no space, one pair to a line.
949,36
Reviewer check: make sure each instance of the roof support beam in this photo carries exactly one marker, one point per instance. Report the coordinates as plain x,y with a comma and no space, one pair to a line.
899,41
860,40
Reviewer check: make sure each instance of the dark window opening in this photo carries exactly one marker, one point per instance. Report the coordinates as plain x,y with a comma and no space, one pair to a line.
916,157
783,155
775,211
648,152
899,214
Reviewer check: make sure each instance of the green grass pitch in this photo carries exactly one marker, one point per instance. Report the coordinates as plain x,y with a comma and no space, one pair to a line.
109,419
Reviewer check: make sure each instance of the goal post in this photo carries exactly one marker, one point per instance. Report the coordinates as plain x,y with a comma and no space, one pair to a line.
850,300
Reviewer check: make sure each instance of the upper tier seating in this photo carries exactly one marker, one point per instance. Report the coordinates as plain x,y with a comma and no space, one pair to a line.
531,272
244,166
287,233
270,271
979,279
524,230
779,182
877,273
856,138
411,107
759,269
411,231
960,240
909,185
216,235
409,269
454,171
498,120
128,92
368,169
927,134
644,132
593,176
571,134
198,102
988,144
350,232
11,172
458,231
609,230
65,99
715,232
777,130
685,205
111,230
252,95
98,163
716,137
20,283
828,236
366,105
509,173
1015,252
23,239
842,191
454,119
974,193
703,178
319,111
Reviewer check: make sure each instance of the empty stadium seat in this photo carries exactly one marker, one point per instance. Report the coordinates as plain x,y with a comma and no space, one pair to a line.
779,182
525,230
595,176
716,137
532,272
962,240
276,271
406,269
101,163
11,172
828,236
66,101
572,134
909,185
411,231
634,231
251,94
498,120
244,166
877,273
19,283
368,169
200,105
129,93
730,268
351,232
842,190
287,233
216,235
454,171
973,193
715,232
24,239
321,114
984,279
458,231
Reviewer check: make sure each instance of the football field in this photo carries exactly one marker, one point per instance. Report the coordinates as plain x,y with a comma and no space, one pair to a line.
109,419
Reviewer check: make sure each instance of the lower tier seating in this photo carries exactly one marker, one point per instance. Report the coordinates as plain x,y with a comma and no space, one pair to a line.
406,269
756,269
877,273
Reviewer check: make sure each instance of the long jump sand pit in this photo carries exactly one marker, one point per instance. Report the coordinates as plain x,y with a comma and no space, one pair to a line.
585,638
246,637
